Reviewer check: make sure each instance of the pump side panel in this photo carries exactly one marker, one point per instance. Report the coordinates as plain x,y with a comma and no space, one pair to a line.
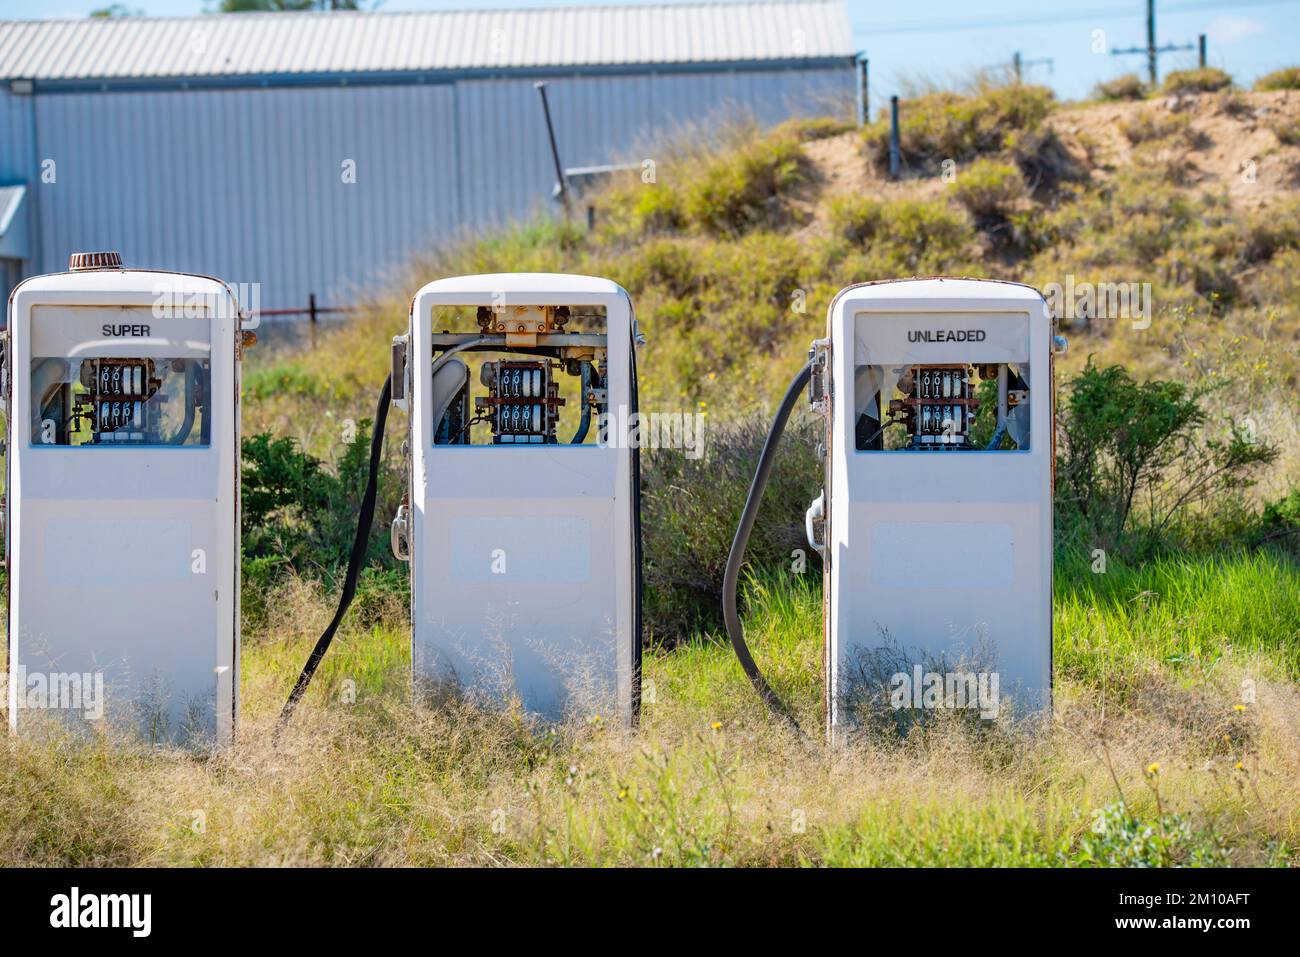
518,592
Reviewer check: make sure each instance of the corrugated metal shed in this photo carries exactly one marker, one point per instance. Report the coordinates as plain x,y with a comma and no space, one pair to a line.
295,44
127,137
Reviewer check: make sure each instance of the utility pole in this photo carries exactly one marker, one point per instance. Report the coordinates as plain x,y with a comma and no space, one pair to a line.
1019,64
1151,50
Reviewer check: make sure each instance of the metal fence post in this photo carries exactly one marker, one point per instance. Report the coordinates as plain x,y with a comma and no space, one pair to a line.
893,137
866,91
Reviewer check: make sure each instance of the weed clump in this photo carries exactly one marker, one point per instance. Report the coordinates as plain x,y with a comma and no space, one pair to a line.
1206,79
902,237
1288,78
990,190
1121,88
939,126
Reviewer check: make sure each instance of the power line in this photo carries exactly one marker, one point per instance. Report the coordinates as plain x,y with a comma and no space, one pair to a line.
1064,16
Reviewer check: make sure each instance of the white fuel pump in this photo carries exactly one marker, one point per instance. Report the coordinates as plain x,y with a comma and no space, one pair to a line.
122,520
936,546
522,523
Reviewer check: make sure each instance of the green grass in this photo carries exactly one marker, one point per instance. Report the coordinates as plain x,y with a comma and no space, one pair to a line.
710,778
1181,613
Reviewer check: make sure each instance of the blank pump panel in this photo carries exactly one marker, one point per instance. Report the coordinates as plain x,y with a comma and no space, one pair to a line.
938,511
520,526
122,526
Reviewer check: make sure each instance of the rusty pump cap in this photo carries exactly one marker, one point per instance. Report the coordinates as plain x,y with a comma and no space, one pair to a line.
81,262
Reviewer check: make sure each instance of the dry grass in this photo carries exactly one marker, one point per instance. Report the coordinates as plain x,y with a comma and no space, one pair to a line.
708,779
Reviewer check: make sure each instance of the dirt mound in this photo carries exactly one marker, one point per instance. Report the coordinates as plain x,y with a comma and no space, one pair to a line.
1225,143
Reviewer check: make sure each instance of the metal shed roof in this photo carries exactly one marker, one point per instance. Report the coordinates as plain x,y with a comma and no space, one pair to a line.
307,44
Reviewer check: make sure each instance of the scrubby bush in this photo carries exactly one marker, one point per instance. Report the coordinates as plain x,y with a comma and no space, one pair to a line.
1126,87
990,190
298,516
904,237
856,218
1117,837
658,209
1236,104
1206,79
1125,442
1288,78
747,187
1279,522
743,185
939,126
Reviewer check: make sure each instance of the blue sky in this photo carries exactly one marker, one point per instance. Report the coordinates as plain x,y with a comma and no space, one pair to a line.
952,37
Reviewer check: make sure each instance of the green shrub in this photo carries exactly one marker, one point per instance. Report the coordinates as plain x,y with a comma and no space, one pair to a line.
298,516
668,265
1119,838
856,218
1126,87
659,209
1288,78
939,126
1125,442
1206,79
747,187
904,236
990,190
1279,522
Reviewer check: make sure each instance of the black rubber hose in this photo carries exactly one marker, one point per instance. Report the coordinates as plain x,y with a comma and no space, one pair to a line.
737,555
634,406
355,560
